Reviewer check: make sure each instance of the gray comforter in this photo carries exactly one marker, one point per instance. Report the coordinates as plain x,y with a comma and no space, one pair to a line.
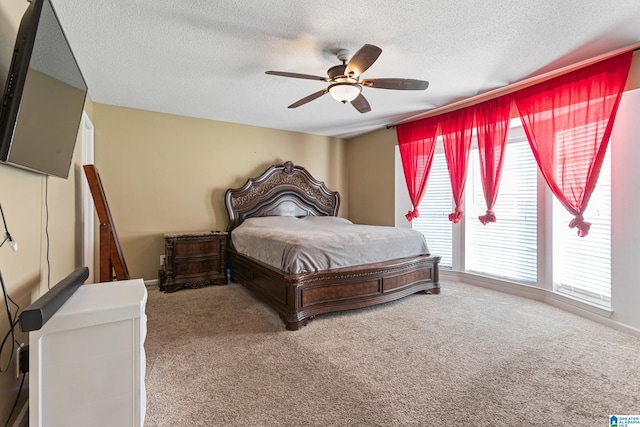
315,243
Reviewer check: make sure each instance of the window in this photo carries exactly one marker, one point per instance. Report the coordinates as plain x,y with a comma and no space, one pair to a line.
571,254
434,210
506,248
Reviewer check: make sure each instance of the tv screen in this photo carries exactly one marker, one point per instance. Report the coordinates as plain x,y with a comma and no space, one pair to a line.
43,97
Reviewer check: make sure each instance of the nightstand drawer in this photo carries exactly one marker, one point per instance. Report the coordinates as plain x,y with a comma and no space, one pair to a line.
196,266
197,246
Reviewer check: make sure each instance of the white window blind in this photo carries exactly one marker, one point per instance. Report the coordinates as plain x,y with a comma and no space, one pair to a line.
434,210
506,248
582,265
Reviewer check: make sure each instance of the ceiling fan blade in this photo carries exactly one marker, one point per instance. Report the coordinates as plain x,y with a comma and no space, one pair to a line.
297,75
361,104
309,98
363,59
398,84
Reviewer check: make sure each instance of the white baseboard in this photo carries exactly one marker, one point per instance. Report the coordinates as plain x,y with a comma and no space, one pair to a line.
151,283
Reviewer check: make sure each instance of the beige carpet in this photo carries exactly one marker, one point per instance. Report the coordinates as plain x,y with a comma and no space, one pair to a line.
216,356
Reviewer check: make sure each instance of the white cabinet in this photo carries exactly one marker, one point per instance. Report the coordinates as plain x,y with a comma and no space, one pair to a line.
87,363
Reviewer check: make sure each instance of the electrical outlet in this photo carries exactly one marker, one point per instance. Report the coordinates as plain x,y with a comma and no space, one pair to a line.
162,260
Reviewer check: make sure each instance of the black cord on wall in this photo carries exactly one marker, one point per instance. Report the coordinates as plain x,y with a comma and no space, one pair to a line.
12,321
15,403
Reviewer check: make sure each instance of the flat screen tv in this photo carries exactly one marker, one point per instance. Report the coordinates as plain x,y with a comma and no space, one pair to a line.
43,96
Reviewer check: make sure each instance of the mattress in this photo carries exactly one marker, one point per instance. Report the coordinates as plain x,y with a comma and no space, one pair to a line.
316,243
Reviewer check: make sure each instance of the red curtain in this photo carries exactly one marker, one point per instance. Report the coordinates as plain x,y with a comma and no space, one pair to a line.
457,127
492,124
568,122
417,141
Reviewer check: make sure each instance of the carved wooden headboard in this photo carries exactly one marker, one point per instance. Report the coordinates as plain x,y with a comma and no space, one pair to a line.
282,190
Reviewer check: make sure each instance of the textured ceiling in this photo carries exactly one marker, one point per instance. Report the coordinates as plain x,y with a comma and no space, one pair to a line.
207,59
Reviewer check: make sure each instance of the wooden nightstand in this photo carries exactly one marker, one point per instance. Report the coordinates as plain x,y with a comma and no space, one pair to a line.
195,259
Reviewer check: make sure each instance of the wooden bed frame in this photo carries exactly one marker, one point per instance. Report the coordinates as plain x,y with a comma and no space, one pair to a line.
290,190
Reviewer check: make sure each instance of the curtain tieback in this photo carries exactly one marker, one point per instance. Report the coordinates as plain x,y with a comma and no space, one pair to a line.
581,224
457,215
412,214
488,217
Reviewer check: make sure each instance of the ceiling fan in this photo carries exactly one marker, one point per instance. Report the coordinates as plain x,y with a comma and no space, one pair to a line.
344,80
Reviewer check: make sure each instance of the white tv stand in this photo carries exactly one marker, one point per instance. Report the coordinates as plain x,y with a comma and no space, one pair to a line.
87,363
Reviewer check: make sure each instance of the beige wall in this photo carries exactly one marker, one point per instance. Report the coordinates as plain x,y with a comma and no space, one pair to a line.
167,173
371,177
633,80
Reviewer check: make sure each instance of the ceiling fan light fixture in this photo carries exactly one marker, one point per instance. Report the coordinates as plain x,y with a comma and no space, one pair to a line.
345,92
344,79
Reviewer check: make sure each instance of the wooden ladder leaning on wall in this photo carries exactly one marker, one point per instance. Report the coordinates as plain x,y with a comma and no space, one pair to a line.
111,258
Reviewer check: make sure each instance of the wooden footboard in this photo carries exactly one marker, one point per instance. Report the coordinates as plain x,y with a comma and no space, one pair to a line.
299,297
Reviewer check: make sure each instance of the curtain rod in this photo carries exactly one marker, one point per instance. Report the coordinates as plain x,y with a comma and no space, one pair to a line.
494,93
